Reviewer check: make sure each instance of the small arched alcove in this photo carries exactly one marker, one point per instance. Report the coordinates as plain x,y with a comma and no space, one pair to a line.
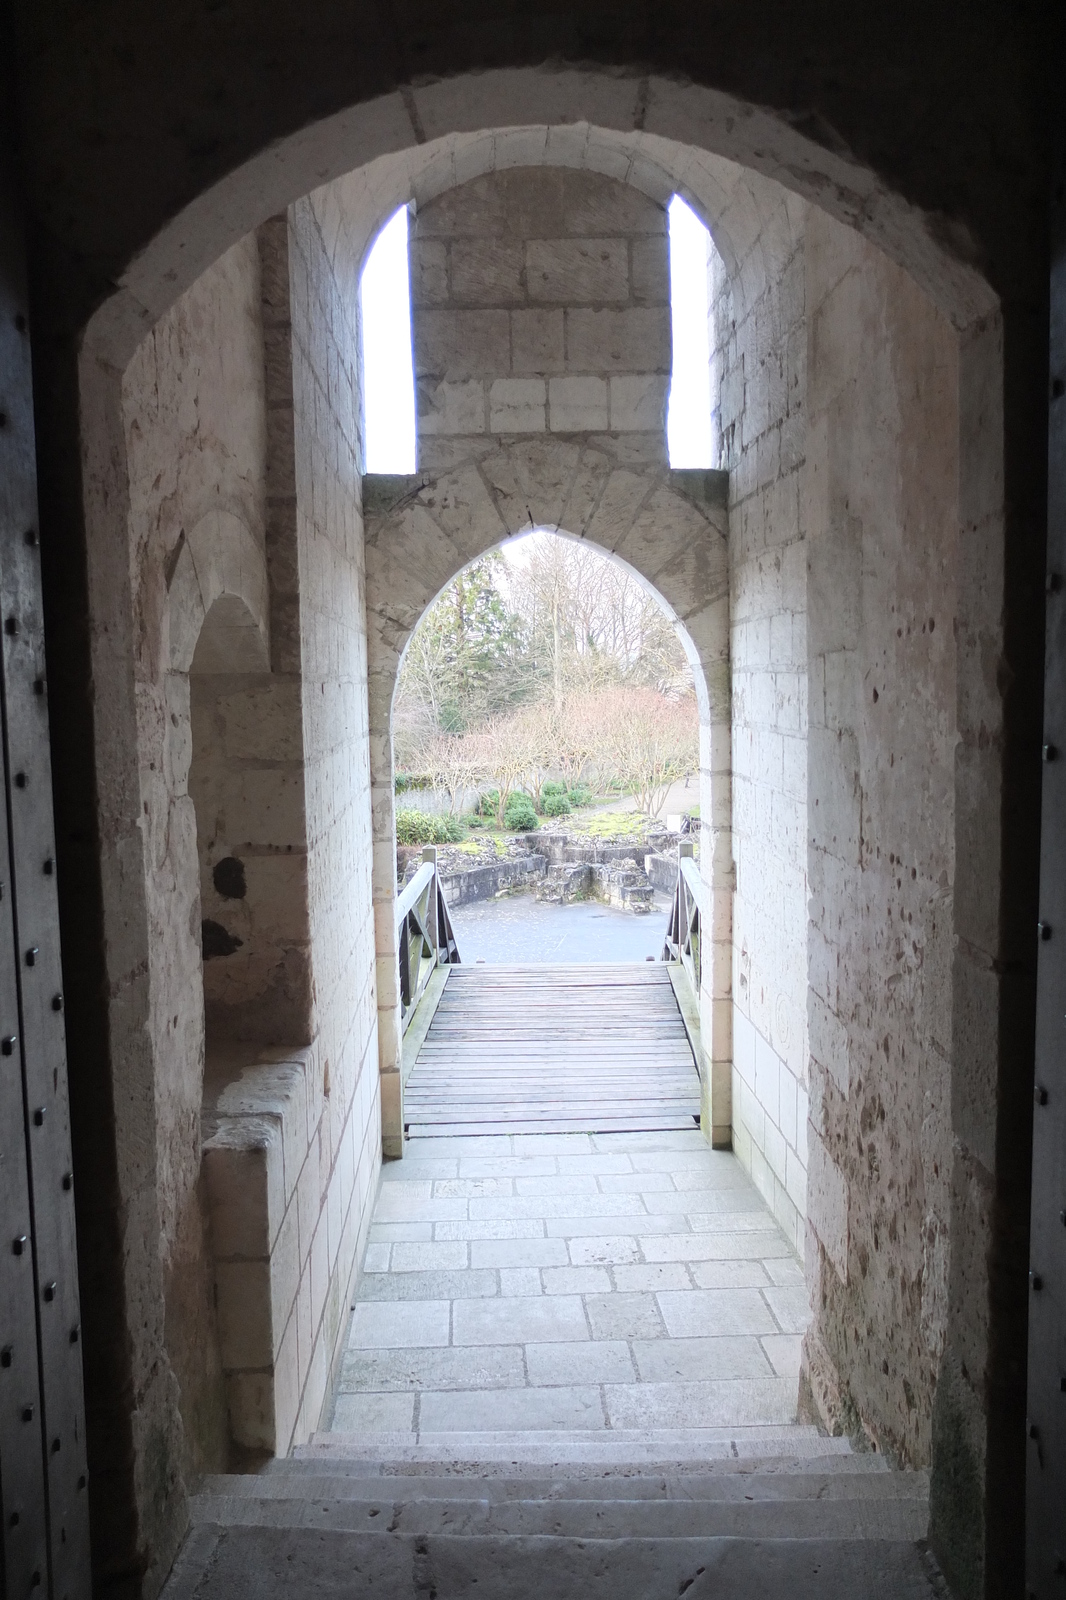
246,788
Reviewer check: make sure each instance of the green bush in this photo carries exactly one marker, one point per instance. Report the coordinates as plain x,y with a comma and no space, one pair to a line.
488,804
551,788
554,805
579,794
519,814
404,781
420,827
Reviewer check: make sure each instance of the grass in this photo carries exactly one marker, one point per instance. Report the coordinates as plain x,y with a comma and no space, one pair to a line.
612,825
477,845
483,833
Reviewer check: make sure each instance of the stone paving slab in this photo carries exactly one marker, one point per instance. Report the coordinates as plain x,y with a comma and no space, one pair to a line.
536,1283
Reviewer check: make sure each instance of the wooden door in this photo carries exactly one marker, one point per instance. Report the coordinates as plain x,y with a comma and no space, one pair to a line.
44,1518
1046,1471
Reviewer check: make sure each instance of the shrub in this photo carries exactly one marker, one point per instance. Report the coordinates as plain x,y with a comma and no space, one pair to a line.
520,815
551,788
555,805
579,794
488,804
421,827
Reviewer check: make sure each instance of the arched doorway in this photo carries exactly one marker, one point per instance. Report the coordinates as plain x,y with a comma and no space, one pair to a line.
835,1198
689,571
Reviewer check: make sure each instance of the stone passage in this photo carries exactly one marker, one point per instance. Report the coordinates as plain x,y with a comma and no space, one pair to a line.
550,1286
599,1049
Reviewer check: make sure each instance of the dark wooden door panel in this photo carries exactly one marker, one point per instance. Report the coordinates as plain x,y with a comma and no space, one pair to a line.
1046,1474
44,1528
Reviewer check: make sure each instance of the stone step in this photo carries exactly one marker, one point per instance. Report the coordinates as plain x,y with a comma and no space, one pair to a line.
899,1513
650,1449
256,1562
592,1480
313,1480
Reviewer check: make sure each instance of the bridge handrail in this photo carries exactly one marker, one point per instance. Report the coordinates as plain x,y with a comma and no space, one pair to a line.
413,890
691,874
424,936
683,933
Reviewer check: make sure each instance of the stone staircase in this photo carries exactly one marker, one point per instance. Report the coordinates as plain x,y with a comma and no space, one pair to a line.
748,1514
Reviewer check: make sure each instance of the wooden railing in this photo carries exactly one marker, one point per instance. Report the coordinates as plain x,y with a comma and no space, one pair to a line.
684,929
423,933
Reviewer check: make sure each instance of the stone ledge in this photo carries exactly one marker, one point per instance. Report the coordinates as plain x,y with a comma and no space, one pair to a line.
257,1137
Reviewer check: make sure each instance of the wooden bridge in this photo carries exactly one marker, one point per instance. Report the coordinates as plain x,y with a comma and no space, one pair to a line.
546,1049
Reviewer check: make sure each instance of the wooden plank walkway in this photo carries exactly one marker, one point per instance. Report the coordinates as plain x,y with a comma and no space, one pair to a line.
592,1049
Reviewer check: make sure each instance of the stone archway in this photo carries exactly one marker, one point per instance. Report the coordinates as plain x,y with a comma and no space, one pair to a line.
159,275
670,528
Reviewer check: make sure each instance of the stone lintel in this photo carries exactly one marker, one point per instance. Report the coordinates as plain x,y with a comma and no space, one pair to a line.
384,491
704,486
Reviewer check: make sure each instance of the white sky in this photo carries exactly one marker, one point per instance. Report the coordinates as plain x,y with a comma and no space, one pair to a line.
688,414
388,369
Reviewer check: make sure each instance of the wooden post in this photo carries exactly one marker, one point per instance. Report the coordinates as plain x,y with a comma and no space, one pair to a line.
429,853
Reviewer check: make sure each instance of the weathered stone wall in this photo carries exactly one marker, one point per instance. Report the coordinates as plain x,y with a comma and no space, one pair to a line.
195,444
327,457
252,745
246,781
760,358
541,302
882,516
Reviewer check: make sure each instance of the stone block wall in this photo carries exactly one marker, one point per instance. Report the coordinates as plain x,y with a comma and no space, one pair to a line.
194,436
246,553
247,784
882,519
541,303
760,353
268,1152
329,528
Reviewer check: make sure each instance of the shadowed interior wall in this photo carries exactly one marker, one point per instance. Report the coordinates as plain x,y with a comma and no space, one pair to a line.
194,434
247,604
246,782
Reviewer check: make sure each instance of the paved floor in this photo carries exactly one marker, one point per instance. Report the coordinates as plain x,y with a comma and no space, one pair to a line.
519,928
577,1281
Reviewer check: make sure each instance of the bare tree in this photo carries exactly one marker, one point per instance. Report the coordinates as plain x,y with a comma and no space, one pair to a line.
501,755
647,741
451,762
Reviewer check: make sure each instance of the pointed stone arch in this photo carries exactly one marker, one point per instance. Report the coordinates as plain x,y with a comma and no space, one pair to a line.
670,529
